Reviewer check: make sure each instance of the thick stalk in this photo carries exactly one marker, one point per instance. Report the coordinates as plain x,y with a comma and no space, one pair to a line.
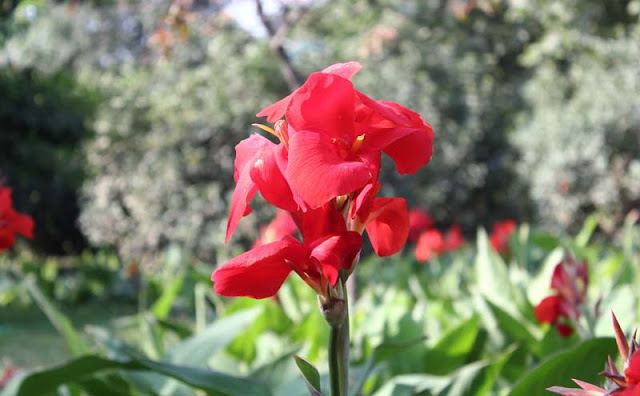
339,352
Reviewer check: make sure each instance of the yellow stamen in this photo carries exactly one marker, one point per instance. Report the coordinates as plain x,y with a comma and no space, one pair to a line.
357,144
267,129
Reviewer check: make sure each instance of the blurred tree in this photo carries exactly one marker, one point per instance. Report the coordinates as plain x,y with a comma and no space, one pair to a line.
42,127
581,139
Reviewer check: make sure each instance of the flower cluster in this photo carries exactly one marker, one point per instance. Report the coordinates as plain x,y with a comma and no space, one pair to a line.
12,222
323,171
570,279
431,242
625,383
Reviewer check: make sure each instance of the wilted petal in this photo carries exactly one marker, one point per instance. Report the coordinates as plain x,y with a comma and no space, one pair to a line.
621,339
317,173
258,273
388,225
575,392
344,70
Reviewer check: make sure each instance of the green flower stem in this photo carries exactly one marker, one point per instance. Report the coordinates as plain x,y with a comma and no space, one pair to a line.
339,352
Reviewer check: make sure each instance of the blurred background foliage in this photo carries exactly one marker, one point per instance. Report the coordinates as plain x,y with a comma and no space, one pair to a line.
124,116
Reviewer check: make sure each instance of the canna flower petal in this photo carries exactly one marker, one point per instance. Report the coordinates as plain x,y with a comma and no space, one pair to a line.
549,309
12,222
315,224
345,70
335,252
247,152
454,239
324,103
500,235
277,110
260,272
267,173
430,243
419,221
399,132
632,372
388,225
317,173
281,226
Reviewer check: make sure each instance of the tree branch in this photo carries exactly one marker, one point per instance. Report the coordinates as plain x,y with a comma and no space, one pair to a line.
276,39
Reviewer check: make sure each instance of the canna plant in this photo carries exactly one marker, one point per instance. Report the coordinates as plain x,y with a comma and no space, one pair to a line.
324,172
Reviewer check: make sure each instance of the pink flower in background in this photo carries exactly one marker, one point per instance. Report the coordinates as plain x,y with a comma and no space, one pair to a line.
500,235
419,221
8,373
625,383
12,222
570,279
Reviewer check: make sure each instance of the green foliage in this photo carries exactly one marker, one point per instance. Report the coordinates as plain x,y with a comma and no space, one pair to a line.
409,335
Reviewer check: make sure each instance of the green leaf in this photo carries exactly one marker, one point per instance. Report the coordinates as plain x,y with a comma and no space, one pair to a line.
215,383
310,374
163,304
62,324
452,349
197,350
515,327
492,276
272,319
583,361
587,230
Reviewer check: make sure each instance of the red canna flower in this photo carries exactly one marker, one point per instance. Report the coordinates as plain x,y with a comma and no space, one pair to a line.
12,222
500,235
569,280
337,134
434,243
430,243
419,221
326,248
626,383
386,220
281,226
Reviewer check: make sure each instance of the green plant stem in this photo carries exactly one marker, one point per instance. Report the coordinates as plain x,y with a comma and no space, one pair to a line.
339,353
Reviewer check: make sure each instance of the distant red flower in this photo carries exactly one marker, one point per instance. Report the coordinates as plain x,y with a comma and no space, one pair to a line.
500,235
569,280
8,373
419,221
281,226
434,243
12,222
626,383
